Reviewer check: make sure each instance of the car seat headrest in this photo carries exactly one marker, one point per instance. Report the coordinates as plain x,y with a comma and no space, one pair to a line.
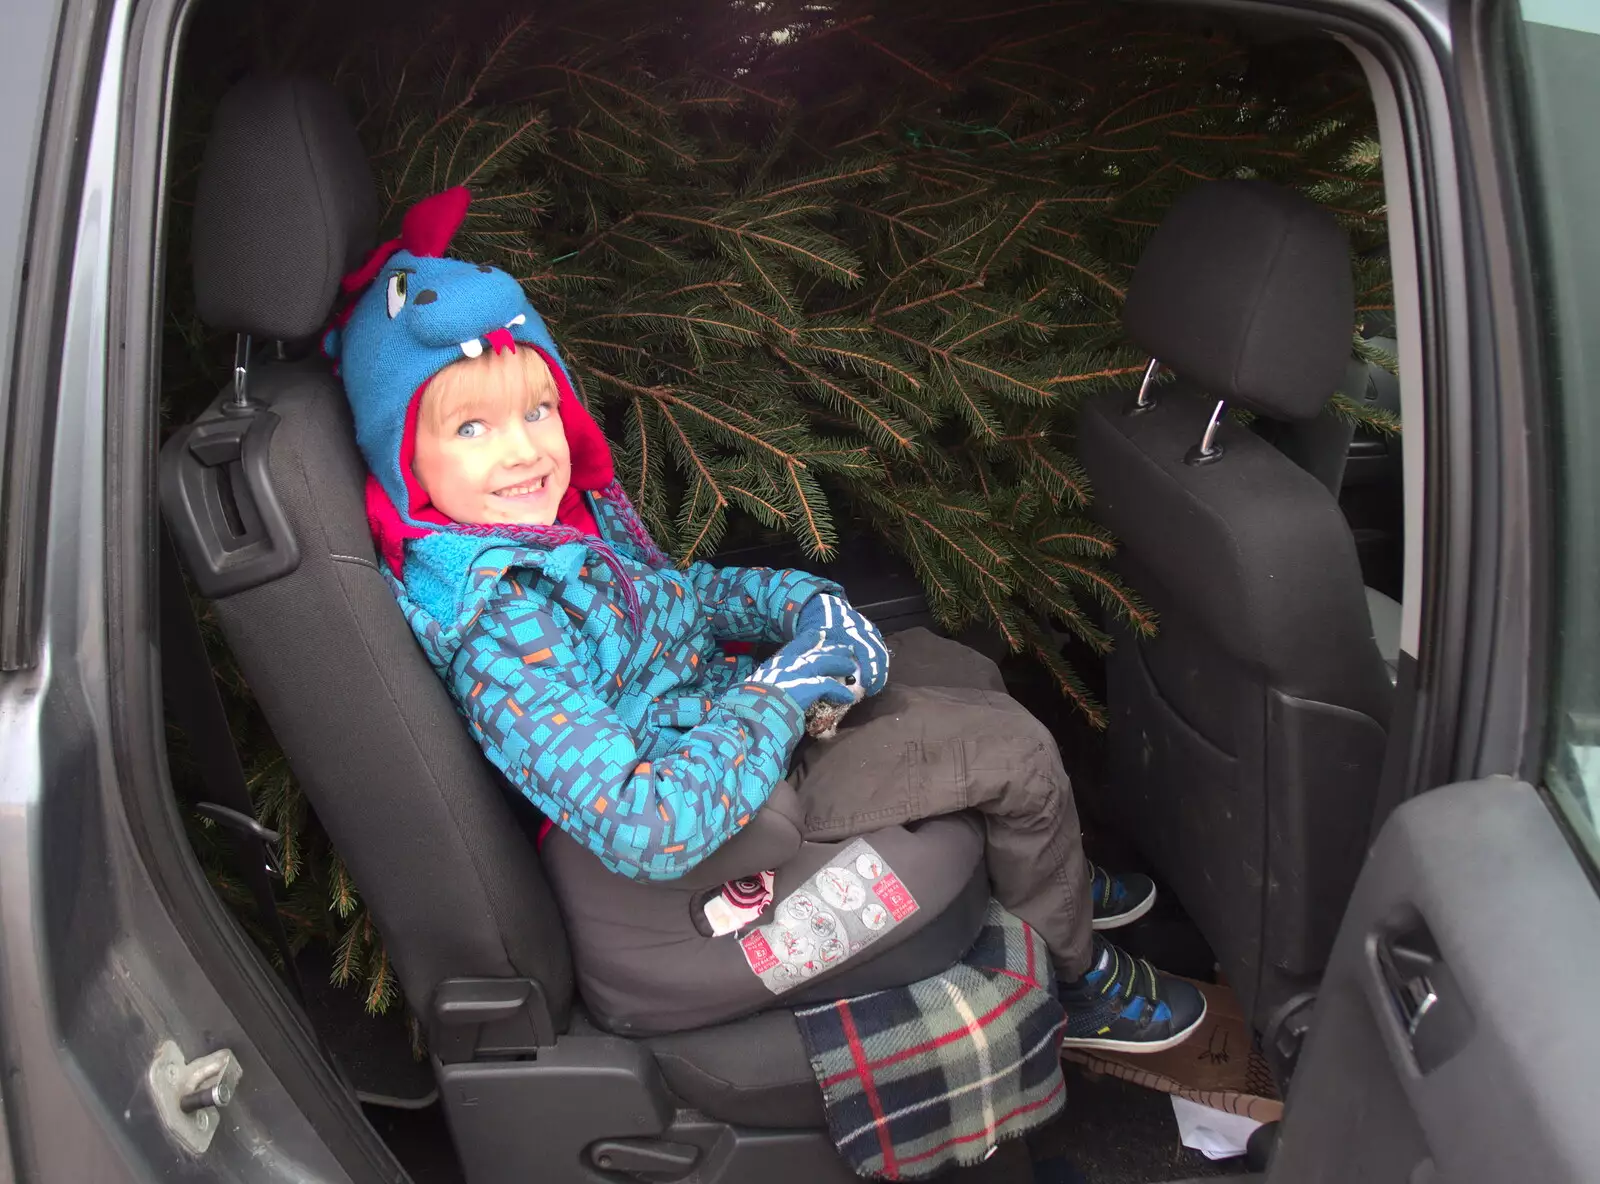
285,206
1245,290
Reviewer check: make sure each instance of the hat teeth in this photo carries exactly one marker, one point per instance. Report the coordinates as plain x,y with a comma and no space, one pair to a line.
472,348
515,321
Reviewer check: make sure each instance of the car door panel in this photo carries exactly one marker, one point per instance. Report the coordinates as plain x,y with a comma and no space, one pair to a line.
1475,889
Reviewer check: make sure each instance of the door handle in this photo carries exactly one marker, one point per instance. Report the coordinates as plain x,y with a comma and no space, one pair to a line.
1415,997
1426,998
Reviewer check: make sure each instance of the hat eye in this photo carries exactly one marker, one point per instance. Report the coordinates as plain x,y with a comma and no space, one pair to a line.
397,293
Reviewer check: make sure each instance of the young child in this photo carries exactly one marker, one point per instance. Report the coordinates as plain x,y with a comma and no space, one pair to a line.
592,671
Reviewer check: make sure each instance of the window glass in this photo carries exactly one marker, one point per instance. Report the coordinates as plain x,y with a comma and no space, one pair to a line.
1556,71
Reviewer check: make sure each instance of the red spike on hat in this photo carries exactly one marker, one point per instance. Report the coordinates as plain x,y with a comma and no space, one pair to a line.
432,222
427,230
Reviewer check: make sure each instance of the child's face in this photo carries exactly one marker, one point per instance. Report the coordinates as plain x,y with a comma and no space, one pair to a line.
490,447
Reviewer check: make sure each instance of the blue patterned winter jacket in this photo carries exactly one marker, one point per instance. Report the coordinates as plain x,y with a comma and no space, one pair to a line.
645,744
631,730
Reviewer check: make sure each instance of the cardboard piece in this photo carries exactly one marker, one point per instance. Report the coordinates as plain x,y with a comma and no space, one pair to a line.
1218,1066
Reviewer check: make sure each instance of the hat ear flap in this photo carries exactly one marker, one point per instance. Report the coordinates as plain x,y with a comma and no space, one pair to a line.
432,222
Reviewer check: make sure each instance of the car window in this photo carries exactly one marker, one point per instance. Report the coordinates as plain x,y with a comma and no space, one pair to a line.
1556,70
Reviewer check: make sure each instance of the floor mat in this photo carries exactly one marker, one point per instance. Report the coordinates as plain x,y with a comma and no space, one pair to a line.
1113,1132
1218,1066
421,1142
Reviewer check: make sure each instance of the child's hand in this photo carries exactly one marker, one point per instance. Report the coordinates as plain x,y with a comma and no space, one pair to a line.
811,672
830,621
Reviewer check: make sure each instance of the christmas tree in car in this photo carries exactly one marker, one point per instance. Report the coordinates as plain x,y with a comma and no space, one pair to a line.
828,269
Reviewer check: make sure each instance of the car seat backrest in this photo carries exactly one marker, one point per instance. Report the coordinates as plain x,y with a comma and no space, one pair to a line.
1245,292
285,206
1320,446
1247,734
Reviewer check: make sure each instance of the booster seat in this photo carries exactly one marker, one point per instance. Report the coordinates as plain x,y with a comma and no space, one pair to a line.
263,494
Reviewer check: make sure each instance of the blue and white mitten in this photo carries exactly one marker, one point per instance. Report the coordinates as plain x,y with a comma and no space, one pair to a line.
830,621
812,673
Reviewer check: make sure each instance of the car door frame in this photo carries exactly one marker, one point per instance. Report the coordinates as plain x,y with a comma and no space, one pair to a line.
1476,658
111,940
1439,1045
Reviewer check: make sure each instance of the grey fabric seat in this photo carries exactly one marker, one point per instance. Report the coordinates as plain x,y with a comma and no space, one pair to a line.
268,510
753,1071
1247,736
1323,447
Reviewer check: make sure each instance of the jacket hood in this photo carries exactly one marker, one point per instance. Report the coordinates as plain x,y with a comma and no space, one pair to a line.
412,312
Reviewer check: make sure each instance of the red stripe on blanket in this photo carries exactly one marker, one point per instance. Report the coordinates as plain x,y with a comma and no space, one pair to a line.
998,1123
891,1169
927,1045
1032,976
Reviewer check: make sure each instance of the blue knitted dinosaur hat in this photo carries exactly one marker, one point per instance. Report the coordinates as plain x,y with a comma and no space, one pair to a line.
414,312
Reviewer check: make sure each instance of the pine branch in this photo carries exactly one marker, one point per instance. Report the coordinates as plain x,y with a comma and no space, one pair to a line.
803,248
1047,651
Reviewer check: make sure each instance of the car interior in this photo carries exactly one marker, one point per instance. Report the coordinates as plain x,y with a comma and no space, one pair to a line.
1241,766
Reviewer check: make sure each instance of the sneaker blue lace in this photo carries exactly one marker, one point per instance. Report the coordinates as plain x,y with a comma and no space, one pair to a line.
1125,1004
1121,899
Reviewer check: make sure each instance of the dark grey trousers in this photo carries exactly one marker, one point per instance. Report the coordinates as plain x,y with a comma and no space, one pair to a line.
944,736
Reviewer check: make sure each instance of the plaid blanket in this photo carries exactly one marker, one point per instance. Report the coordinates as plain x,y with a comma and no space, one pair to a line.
940,1072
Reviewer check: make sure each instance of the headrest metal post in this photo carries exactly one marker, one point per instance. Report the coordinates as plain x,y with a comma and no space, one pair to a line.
1208,449
1144,402
241,375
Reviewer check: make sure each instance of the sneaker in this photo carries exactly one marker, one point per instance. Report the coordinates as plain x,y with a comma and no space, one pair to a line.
1127,1005
1119,900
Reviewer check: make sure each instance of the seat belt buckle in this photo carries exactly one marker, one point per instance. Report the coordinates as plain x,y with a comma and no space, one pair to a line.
244,824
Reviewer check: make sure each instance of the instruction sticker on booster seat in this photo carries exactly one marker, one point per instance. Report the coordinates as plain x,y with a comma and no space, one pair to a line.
851,901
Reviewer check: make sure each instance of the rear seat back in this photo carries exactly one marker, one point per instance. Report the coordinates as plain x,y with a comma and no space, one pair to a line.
370,732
